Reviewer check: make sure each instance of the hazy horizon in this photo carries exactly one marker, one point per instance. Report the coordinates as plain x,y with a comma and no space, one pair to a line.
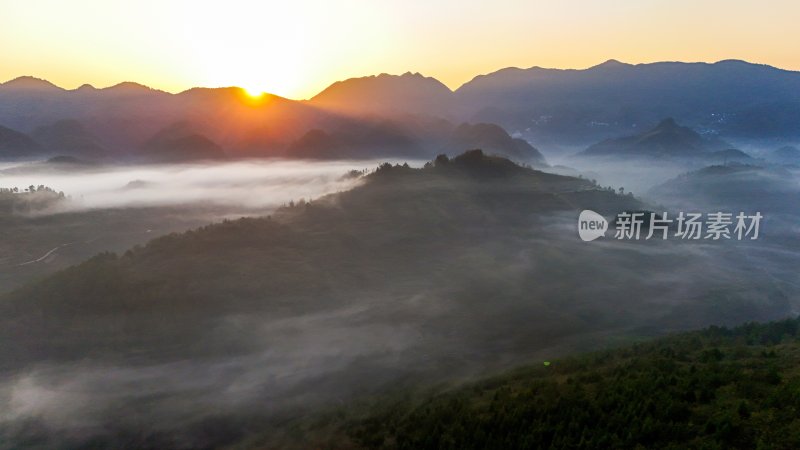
297,50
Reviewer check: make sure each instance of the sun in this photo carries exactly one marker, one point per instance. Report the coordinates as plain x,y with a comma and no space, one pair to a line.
253,91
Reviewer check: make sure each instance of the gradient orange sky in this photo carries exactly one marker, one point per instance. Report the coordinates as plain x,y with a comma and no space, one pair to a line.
297,48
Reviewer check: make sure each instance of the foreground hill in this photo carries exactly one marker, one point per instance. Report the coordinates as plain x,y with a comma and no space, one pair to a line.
717,388
401,224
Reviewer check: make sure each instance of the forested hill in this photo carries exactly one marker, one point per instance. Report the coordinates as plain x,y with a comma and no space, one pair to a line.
717,388
393,235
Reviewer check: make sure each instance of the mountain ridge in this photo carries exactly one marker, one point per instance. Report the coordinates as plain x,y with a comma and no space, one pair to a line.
545,107
605,64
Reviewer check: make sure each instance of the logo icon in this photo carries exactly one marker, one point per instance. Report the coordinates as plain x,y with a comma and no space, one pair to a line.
591,225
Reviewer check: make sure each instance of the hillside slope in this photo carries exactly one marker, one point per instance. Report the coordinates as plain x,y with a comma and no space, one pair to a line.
14,144
717,388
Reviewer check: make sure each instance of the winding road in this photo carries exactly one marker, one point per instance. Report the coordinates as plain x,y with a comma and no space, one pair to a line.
43,257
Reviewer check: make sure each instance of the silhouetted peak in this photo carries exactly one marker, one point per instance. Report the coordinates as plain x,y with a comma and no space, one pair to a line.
30,83
406,75
384,80
611,63
86,87
475,156
473,163
129,87
415,75
415,79
225,92
737,62
477,163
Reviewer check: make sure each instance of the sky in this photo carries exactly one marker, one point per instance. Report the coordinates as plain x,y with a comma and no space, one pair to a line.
297,48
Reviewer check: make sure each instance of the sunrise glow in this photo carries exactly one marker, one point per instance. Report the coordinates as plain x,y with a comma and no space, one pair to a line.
297,49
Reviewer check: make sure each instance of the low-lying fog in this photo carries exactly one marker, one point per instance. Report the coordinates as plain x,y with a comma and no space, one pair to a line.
250,184
634,176
115,207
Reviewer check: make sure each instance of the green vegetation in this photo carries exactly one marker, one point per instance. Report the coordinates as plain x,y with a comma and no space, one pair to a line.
28,200
403,232
713,389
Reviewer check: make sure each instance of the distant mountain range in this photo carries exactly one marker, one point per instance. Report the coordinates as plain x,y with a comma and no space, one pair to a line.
134,122
732,98
551,107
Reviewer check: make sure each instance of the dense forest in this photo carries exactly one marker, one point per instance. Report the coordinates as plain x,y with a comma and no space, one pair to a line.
716,388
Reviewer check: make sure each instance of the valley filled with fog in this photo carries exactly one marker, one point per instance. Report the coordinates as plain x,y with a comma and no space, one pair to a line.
114,207
248,185
405,276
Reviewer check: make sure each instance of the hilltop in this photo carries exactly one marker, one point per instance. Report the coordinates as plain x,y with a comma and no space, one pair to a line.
387,94
665,140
